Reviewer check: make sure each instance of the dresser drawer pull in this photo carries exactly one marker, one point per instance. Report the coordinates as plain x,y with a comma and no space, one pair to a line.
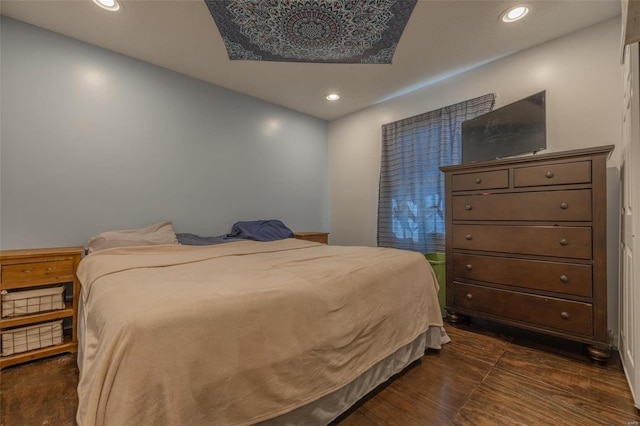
469,296
564,278
564,206
27,271
468,237
564,315
564,242
468,267
549,174
478,180
51,268
468,206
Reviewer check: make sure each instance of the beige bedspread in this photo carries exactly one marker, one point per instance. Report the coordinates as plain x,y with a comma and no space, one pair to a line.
241,332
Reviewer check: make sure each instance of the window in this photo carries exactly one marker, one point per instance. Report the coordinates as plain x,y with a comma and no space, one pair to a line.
411,194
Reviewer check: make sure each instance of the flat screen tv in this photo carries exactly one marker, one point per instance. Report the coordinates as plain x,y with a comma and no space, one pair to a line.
514,129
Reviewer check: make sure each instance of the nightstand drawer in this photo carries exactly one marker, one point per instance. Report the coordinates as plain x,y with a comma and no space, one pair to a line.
558,241
543,206
318,237
565,278
559,314
37,271
553,174
480,180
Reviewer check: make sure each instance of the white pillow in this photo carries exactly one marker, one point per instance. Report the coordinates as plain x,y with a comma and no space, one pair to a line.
159,233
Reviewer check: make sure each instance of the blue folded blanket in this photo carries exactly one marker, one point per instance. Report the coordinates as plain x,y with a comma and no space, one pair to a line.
197,240
260,230
256,230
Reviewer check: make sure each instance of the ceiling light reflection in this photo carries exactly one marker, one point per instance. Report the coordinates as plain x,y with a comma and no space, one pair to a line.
514,14
111,5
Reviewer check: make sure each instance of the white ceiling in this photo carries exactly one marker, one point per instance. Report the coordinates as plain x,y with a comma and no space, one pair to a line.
442,37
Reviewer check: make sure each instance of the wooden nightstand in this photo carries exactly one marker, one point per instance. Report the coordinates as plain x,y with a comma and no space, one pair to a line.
318,237
22,270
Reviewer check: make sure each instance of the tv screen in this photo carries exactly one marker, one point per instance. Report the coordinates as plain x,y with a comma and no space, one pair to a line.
517,128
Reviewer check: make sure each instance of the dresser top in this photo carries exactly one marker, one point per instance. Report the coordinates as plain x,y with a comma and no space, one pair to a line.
30,253
606,149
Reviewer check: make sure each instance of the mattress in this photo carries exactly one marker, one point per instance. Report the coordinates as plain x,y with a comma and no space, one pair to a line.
246,332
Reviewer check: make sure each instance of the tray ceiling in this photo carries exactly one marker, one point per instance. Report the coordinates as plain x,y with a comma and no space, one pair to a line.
441,38
336,31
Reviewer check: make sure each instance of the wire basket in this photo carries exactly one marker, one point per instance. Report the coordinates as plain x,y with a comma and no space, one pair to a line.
25,302
23,339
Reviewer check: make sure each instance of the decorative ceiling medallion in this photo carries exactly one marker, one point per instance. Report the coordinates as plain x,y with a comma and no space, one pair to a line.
326,31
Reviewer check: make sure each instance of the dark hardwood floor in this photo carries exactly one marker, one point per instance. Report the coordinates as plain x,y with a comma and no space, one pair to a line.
486,376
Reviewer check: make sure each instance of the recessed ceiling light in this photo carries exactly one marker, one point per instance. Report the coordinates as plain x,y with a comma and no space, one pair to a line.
514,13
333,97
111,5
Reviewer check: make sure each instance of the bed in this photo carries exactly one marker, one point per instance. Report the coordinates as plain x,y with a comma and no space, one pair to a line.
246,332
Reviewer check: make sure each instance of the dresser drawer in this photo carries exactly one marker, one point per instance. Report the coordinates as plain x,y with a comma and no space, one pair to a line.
37,271
480,180
553,174
559,241
566,278
559,314
541,206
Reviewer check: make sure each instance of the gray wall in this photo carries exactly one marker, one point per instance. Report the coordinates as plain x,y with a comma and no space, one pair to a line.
92,140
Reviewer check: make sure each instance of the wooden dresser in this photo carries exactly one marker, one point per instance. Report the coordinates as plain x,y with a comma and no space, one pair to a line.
526,244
